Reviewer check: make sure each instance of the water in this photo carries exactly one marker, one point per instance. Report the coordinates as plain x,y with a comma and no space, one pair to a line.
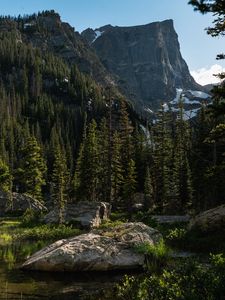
18,284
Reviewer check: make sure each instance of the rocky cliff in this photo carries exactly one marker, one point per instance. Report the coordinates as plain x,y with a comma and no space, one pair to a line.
145,59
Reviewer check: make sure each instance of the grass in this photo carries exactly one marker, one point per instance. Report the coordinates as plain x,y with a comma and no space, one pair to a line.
13,230
110,224
45,232
156,256
5,239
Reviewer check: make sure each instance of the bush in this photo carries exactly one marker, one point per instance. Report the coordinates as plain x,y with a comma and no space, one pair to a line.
156,256
109,224
146,218
190,280
30,218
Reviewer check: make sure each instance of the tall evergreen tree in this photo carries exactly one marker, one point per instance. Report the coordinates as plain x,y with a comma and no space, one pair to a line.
148,189
5,177
117,169
182,174
32,168
129,184
59,183
163,159
87,173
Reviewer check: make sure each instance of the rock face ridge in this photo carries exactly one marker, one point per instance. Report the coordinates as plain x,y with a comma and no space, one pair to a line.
104,250
146,60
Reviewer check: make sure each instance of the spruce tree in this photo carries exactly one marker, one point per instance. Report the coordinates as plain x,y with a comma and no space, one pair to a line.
129,184
5,177
32,169
163,159
148,189
117,169
59,183
182,177
104,163
87,171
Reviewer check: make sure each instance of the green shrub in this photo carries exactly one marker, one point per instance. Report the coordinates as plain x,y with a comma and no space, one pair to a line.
190,280
176,234
30,218
110,224
156,256
5,239
146,218
119,216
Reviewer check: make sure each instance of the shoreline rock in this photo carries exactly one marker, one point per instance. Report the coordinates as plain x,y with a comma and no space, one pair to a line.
106,250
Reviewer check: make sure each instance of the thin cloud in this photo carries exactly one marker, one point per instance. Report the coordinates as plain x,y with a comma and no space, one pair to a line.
205,76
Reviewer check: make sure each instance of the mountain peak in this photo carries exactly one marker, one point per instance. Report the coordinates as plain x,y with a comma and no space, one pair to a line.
146,59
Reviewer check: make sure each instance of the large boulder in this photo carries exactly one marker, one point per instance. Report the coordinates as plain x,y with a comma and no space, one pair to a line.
19,203
210,221
84,214
99,250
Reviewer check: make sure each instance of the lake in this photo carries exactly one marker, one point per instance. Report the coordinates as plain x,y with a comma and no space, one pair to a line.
18,284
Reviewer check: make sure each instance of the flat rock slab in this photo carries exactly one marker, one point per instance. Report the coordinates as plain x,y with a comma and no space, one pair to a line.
171,219
112,249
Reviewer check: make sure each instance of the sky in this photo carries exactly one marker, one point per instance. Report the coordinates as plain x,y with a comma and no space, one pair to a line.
198,49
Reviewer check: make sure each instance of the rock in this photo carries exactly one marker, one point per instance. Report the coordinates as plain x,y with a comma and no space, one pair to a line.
146,59
171,219
99,250
85,214
209,221
20,203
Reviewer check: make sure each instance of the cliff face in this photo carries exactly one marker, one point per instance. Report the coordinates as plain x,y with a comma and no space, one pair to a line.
146,60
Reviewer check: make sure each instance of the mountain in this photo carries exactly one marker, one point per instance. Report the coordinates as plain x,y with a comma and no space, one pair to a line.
143,63
47,32
146,61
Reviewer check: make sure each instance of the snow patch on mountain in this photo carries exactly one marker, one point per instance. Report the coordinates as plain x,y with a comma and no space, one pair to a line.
199,94
97,35
149,110
191,100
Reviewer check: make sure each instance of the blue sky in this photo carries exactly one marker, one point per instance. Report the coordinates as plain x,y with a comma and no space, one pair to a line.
198,49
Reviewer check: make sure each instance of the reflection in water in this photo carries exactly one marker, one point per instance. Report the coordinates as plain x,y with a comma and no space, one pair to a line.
17,284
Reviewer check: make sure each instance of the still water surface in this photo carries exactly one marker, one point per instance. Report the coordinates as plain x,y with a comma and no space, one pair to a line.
17,284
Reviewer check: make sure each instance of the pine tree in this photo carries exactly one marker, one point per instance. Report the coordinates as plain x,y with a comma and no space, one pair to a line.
125,130
117,170
104,164
5,177
77,185
148,189
32,169
182,177
59,183
163,159
87,173
129,184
